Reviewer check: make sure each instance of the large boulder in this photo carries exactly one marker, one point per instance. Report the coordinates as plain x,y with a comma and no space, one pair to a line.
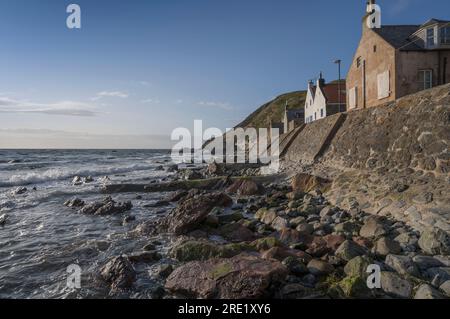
236,233
426,291
267,216
373,227
357,267
204,250
404,265
106,207
385,246
355,287
349,250
319,267
118,273
435,242
193,210
241,277
246,187
395,286
306,183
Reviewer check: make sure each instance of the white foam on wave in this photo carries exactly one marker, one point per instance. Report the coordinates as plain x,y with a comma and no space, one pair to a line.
56,174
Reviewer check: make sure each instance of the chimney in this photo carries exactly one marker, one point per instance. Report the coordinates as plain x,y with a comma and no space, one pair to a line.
321,80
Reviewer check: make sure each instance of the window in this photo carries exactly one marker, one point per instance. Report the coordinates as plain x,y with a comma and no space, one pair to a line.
374,49
445,35
358,62
315,116
425,79
430,37
321,112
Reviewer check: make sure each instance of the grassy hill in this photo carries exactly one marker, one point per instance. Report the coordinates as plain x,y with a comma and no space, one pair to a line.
274,110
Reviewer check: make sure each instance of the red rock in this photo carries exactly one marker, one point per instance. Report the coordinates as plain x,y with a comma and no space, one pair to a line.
364,242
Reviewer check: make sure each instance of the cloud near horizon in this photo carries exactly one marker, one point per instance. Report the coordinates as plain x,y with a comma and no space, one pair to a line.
45,138
118,94
64,108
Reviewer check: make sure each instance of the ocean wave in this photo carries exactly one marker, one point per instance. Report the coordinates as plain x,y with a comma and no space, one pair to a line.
58,174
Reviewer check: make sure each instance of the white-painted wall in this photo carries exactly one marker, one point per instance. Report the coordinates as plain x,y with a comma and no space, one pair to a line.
315,106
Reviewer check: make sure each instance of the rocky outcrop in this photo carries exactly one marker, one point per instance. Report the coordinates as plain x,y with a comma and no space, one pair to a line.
241,277
106,207
193,210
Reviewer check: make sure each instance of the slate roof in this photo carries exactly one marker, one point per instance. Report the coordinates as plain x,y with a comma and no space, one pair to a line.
399,36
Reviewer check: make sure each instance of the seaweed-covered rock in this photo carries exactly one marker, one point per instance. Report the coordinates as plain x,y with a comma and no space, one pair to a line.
241,277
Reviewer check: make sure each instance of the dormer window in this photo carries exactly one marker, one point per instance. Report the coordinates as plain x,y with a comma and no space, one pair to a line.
445,35
430,38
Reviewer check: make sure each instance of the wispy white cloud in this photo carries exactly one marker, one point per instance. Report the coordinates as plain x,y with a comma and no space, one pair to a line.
118,94
151,101
179,101
220,105
65,108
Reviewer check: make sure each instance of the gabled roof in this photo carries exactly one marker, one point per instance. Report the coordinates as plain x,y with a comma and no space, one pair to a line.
400,36
331,92
433,21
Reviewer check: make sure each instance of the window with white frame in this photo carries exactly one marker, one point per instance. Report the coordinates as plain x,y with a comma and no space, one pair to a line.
425,79
445,35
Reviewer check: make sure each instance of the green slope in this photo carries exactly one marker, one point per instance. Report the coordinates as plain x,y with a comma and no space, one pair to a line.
274,110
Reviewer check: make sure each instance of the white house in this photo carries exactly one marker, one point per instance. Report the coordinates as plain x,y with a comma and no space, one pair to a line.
323,100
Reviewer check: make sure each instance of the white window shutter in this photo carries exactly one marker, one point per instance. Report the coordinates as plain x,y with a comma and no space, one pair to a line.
353,97
383,85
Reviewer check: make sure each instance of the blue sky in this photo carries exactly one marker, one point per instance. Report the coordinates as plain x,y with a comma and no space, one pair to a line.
138,69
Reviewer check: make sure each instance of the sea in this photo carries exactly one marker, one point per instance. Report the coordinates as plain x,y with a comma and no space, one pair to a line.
42,239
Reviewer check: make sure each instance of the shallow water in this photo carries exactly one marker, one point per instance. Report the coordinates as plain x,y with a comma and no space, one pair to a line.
42,237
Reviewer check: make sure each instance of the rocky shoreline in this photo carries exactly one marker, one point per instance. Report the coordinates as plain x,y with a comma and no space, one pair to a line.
253,237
